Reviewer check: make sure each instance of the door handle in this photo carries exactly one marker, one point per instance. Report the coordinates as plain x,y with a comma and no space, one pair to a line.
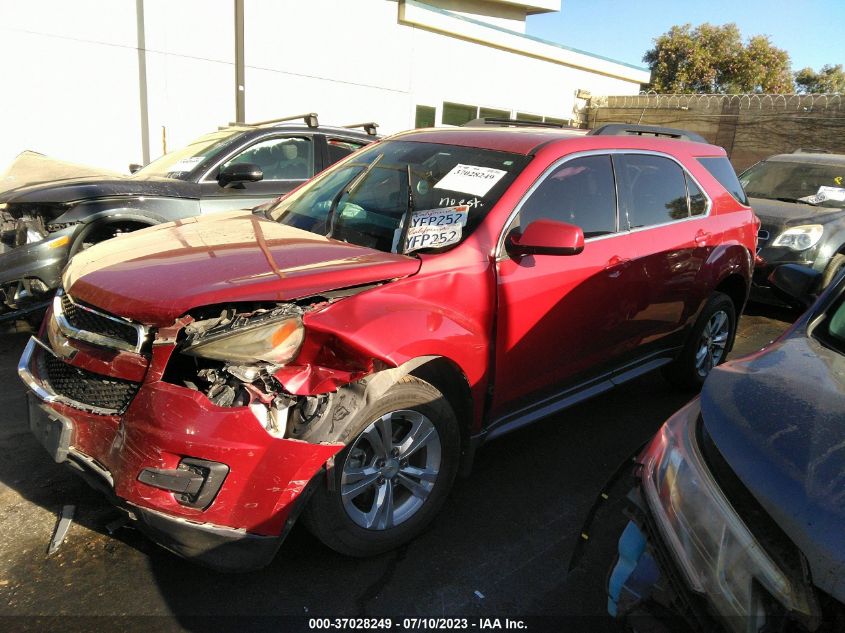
701,238
615,265
617,261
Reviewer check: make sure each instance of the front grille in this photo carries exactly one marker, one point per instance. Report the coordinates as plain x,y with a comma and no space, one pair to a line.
97,323
85,387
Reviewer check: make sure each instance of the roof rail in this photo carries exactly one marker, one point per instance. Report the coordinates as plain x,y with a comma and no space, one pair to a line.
812,150
369,127
623,129
502,122
310,119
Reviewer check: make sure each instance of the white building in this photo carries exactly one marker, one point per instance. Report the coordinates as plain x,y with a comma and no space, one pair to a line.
108,82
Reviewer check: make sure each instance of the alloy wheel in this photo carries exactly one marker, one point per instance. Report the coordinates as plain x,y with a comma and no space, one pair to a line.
391,470
712,344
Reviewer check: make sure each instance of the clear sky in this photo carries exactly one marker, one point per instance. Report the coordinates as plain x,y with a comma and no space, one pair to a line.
811,31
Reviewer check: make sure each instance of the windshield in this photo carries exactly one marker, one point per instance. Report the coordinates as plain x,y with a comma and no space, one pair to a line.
181,162
367,199
822,185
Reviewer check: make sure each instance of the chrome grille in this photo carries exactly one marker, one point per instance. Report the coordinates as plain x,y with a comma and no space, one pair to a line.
88,324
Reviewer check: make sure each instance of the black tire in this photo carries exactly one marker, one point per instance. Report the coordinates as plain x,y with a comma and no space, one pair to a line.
690,369
100,232
337,523
836,264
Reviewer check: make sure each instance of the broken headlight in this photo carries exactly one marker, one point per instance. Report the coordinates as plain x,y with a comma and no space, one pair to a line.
716,552
272,336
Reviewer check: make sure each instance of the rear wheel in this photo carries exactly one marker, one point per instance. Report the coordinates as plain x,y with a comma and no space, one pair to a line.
710,341
389,483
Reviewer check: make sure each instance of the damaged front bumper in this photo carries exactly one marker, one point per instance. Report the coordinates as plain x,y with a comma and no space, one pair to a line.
645,588
29,274
206,482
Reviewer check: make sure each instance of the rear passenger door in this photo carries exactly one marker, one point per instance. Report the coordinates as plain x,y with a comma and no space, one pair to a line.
563,318
667,215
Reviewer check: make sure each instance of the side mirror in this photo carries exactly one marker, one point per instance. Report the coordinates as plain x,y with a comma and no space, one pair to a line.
239,172
546,237
796,284
133,167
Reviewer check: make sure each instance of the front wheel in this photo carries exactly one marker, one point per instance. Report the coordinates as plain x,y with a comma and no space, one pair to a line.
710,341
392,479
834,266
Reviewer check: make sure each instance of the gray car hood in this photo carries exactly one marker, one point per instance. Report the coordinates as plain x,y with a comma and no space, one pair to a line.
793,213
32,168
33,178
778,418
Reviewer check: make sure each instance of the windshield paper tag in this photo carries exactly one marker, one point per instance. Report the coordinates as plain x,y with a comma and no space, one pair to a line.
837,194
186,164
435,227
831,193
471,179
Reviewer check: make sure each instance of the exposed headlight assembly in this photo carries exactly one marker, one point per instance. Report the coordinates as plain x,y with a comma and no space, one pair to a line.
714,549
272,336
800,238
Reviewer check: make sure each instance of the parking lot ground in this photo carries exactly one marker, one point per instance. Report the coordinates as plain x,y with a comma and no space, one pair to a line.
501,547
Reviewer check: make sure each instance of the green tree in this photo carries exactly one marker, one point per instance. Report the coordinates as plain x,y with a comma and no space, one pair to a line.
830,79
714,59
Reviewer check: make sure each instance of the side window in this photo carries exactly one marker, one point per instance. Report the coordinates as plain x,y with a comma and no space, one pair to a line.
652,188
580,192
697,200
280,158
341,148
722,170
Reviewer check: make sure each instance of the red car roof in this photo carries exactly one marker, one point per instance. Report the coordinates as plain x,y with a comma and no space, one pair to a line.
516,140
528,140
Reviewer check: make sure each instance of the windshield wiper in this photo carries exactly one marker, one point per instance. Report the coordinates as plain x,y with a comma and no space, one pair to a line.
406,217
348,189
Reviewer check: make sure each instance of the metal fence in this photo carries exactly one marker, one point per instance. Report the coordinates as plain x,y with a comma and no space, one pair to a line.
749,126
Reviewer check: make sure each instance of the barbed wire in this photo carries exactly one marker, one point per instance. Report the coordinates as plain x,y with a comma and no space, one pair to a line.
749,101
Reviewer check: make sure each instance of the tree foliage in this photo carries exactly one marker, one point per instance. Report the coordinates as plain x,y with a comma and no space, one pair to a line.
714,59
830,79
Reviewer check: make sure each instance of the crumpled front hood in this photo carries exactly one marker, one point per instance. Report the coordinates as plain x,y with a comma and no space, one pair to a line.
778,418
778,212
155,275
73,189
29,170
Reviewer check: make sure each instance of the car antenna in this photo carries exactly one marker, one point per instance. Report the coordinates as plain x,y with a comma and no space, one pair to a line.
347,189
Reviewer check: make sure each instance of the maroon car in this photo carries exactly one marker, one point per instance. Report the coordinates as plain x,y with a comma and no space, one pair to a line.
340,355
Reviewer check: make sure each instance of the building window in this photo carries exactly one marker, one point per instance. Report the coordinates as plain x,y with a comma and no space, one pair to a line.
556,121
492,113
425,116
536,118
458,113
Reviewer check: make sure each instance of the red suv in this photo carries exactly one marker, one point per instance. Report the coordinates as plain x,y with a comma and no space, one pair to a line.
341,354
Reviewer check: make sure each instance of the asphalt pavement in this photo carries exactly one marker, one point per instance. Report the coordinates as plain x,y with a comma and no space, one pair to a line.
527,535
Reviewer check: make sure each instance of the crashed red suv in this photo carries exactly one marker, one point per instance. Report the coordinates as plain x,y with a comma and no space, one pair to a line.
340,355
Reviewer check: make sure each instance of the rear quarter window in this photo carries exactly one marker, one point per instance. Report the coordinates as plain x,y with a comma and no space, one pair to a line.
722,170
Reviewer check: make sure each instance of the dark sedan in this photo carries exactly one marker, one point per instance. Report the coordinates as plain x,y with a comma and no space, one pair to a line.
237,167
738,520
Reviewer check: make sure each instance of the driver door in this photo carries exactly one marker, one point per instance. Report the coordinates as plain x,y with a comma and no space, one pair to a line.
562,318
278,157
